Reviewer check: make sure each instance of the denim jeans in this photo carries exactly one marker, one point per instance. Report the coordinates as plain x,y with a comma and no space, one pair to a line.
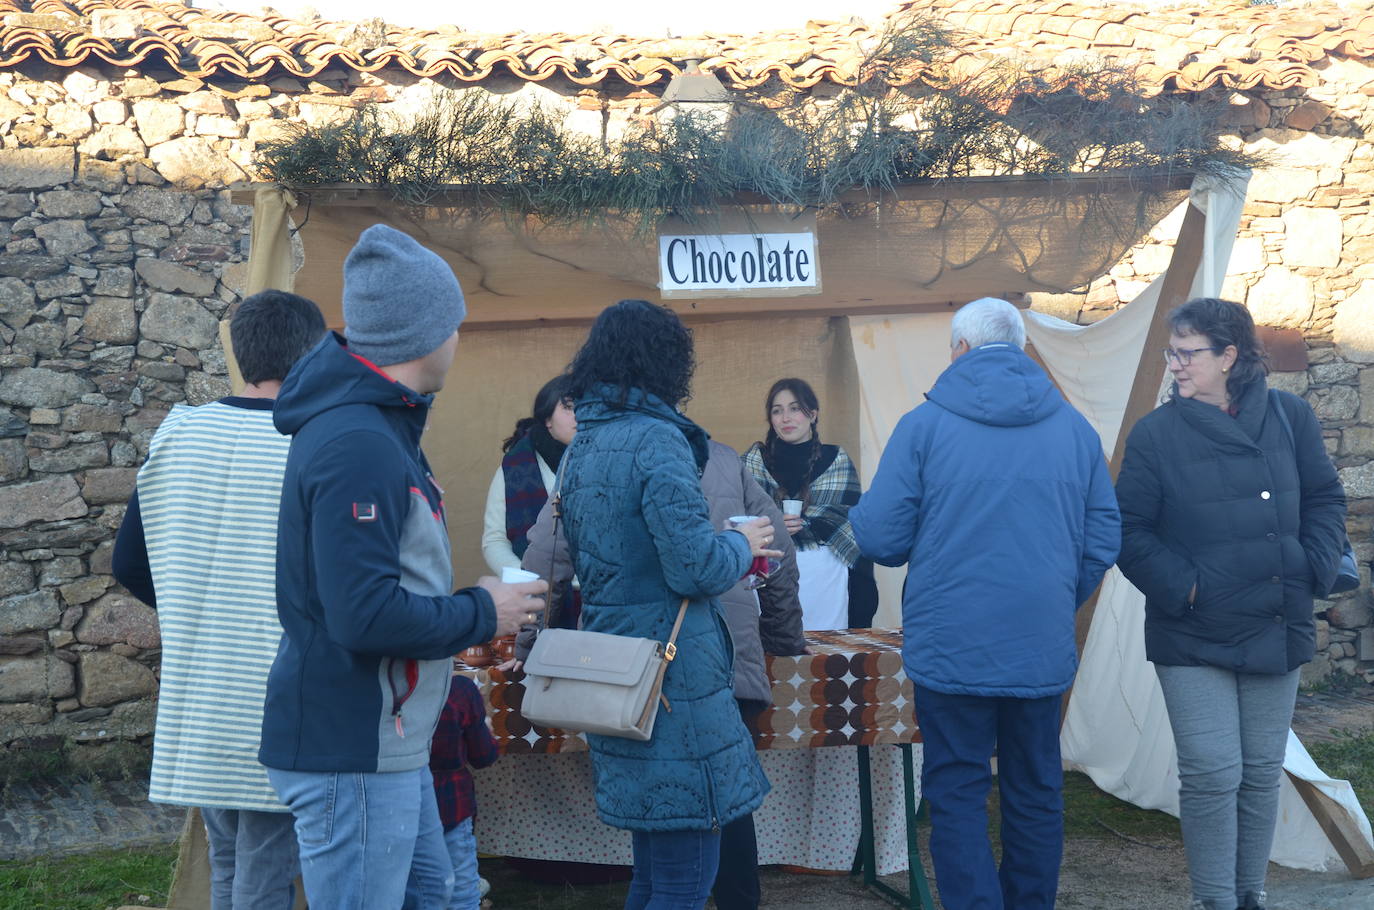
462,852
959,733
674,870
1231,732
253,859
368,841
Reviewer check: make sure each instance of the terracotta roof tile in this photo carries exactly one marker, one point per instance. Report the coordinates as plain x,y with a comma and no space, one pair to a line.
1230,43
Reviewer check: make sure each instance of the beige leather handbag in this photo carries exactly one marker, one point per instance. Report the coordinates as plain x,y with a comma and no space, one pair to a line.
592,682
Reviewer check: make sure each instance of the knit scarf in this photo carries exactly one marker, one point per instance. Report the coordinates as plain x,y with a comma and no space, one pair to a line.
525,493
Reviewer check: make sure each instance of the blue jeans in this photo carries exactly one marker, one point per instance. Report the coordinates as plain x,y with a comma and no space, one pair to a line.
253,859
462,852
368,841
674,870
960,733
1231,732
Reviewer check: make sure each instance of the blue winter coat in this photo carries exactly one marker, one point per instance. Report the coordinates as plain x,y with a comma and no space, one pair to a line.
638,526
996,494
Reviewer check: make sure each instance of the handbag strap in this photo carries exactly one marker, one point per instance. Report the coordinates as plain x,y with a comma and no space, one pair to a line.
556,504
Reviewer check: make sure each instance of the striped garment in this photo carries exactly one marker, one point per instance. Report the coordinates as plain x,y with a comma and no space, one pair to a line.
209,493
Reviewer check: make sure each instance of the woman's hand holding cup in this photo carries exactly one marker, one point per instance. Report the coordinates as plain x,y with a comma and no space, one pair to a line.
792,515
759,532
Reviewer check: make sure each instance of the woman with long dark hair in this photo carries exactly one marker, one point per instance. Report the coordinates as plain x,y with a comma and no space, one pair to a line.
641,538
521,484
1233,519
792,463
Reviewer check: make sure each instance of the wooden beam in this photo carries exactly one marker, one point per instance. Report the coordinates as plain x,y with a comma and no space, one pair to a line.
369,195
1345,835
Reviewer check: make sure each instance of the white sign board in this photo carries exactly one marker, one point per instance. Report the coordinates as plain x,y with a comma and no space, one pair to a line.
738,265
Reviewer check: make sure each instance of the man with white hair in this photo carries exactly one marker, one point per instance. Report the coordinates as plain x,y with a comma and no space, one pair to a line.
995,493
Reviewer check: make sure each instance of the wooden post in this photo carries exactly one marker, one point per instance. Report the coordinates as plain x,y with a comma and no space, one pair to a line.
1149,370
1149,373
1340,828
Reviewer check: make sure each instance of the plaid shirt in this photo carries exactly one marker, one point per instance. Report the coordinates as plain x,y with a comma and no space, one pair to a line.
462,740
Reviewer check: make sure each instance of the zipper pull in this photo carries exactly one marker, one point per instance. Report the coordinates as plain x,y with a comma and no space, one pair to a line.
715,825
400,727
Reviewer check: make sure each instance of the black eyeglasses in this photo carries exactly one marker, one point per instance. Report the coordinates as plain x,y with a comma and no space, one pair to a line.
1184,356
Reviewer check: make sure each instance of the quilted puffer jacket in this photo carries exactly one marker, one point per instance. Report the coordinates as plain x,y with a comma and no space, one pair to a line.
638,526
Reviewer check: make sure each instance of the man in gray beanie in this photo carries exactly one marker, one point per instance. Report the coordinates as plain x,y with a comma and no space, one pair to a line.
363,589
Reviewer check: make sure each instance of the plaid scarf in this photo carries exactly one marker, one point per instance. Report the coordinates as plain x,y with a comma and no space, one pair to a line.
827,508
525,493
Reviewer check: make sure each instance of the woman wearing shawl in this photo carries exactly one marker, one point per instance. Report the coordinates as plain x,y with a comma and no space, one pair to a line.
793,464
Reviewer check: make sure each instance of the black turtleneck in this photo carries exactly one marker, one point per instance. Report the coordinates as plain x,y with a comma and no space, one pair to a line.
789,465
549,449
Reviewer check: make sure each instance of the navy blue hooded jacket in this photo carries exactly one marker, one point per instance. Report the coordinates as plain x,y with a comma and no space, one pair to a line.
363,576
996,494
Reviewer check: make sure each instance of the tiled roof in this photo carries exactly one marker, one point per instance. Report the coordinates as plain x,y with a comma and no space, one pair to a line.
1234,43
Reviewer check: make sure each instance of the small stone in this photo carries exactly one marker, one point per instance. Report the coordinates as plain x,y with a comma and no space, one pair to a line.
70,458
90,418
108,679
35,387
20,644
15,205
45,416
111,110
114,282
36,168
206,103
70,120
14,460
159,121
102,176
1358,481
29,266
66,237
104,485
166,372
1353,327
1307,115
67,285
167,276
17,302
202,388
15,578
84,590
111,319
224,127
113,359
191,163
85,86
41,500
69,203
157,205
111,142
1281,298
1349,614
176,320
1312,237
28,612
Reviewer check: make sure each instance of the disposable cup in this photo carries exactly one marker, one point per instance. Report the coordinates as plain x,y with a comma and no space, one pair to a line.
791,507
513,576
736,520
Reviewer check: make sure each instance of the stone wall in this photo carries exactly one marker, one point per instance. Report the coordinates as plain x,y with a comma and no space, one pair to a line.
121,252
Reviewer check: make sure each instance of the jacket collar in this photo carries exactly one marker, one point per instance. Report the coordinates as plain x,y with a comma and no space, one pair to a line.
1241,431
602,403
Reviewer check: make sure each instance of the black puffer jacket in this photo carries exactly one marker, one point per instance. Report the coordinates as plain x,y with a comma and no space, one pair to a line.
1221,502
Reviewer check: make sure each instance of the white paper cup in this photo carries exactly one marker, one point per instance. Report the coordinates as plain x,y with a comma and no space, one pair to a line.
513,576
791,507
736,520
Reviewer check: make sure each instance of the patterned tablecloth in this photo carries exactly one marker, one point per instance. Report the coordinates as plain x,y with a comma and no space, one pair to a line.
850,691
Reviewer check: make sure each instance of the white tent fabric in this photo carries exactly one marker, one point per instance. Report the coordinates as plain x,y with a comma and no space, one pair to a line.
1117,729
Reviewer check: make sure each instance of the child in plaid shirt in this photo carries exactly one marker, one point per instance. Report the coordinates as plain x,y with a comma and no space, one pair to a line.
462,740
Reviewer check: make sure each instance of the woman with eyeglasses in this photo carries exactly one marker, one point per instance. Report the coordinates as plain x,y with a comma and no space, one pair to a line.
1232,519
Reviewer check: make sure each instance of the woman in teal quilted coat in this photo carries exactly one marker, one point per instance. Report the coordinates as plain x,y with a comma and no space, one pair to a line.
638,526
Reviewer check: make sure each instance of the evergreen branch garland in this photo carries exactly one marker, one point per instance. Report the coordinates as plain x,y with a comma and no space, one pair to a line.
783,145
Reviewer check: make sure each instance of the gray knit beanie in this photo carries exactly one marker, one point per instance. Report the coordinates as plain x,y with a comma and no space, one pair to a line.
400,300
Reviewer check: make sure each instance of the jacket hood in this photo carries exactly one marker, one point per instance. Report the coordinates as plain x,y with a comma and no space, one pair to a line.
997,385
602,404
329,376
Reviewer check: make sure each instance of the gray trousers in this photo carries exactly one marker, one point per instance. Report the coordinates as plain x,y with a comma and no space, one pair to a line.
1231,730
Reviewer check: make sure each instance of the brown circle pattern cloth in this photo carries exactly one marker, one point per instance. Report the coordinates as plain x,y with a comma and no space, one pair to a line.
850,690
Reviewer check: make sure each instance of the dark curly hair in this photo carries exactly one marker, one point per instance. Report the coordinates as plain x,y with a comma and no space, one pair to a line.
545,403
635,345
1224,323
